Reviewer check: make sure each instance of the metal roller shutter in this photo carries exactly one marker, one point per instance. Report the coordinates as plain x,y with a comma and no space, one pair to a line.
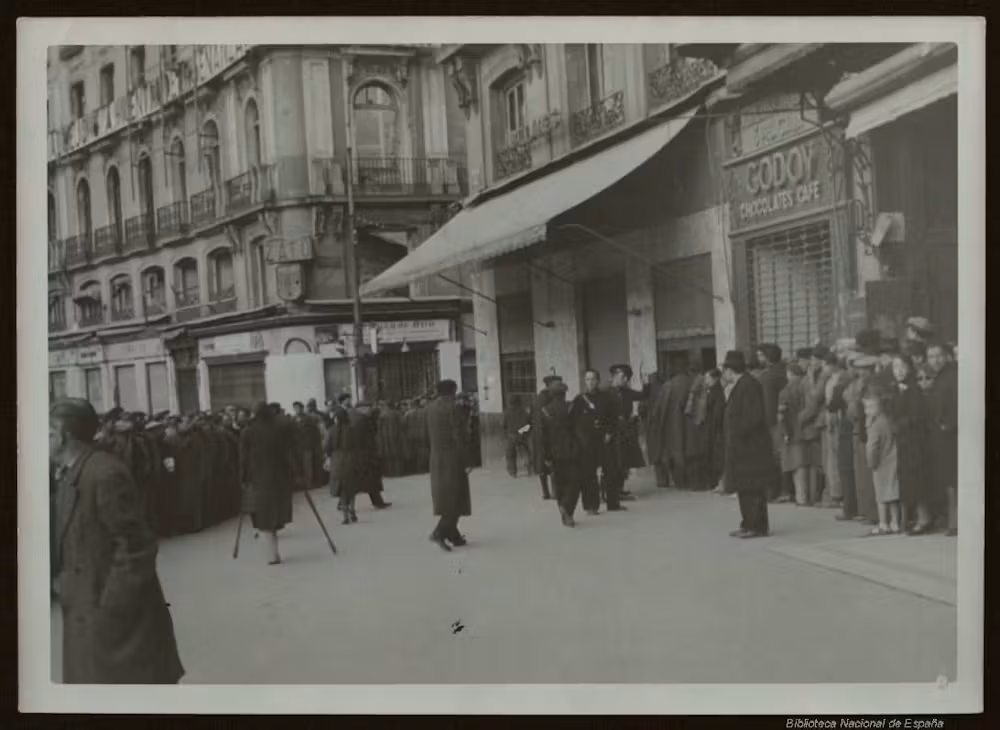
236,384
790,281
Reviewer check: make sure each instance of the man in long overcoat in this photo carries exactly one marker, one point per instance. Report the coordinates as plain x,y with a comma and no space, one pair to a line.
390,440
622,452
415,428
447,433
269,467
589,413
749,466
774,378
537,448
656,428
942,407
562,452
677,431
358,469
116,622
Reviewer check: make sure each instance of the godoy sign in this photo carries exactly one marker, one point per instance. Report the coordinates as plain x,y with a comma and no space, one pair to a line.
779,181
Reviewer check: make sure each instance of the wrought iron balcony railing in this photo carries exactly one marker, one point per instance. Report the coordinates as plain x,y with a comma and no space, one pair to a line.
172,219
108,241
203,207
409,176
248,189
57,255
190,298
92,316
78,249
511,160
57,324
597,119
139,232
122,313
677,79
155,306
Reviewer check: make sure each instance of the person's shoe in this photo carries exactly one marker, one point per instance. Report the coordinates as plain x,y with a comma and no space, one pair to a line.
739,533
844,518
593,512
384,505
347,517
919,530
750,534
439,541
783,499
626,497
274,561
354,515
619,508
458,540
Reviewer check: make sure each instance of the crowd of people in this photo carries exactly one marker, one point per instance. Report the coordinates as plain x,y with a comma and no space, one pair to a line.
868,426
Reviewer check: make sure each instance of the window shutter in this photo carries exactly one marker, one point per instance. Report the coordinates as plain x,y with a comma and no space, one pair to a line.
576,77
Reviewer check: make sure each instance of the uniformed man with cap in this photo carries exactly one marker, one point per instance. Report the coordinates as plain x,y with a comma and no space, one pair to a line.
622,451
116,624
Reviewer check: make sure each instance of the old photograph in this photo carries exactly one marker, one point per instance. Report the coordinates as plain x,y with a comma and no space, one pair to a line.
503,363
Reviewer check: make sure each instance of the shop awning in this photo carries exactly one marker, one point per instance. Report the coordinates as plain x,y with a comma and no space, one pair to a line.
910,98
519,218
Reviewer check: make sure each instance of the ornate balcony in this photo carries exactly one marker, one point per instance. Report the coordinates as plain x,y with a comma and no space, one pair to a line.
511,160
92,316
57,255
172,219
677,79
139,232
597,119
155,306
122,313
57,323
409,176
223,301
108,241
190,298
203,207
248,189
78,250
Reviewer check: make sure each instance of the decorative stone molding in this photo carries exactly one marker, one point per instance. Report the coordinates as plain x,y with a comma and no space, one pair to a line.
463,78
530,58
359,69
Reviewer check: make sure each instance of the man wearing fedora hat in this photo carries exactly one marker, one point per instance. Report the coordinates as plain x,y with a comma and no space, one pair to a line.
749,462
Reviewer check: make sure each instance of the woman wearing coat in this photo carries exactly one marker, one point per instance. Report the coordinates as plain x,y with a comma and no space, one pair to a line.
268,465
909,414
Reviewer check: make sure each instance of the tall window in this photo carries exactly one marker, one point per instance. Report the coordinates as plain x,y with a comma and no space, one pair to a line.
115,199
137,62
186,275
90,304
84,220
252,131
178,170
53,228
376,122
121,298
584,74
107,84
57,312
221,275
514,111
210,153
145,181
77,100
154,291
595,72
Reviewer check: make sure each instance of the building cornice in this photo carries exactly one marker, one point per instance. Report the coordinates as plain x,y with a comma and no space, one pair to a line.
891,74
753,63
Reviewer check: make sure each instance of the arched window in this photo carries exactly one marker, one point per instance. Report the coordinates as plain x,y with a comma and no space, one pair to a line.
121,298
115,199
57,312
186,278
154,291
220,275
376,122
252,132
90,305
83,218
178,170
145,181
53,228
210,152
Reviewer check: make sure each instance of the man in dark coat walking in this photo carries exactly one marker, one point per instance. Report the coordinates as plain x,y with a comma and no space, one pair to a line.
537,448
622,451
447,433
942,408
415,427
749,467
590,422
116,623
655,423
562,452
269,467
774,378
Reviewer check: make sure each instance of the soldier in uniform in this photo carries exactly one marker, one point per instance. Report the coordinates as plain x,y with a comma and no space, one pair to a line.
590,422
622,451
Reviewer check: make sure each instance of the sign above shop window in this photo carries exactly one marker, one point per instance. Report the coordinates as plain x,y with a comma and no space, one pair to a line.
234,344
79,356
134,350
770,122
783,182
286,251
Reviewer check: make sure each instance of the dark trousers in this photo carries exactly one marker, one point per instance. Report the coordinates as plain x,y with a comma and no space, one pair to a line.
376,497
612,483
753,510
845,465
590,488
566,482
447,527
662,474
517,446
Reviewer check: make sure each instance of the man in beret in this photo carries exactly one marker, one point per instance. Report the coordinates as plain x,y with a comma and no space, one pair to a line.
116,624
749,463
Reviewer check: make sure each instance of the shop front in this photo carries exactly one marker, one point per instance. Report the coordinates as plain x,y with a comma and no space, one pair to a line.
78,371
792,261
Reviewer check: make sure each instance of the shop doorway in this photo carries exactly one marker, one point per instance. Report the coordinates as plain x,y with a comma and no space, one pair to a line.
396,376
236,384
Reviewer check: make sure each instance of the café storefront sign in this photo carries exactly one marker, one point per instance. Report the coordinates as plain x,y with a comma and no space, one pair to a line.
90,355
235,344
781,182
287,251
134,350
